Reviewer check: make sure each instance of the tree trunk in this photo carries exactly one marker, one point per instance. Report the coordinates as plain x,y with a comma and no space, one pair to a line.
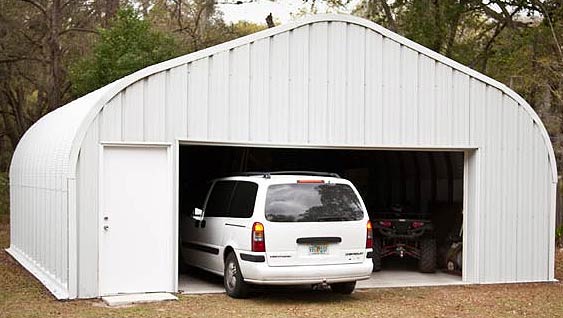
55,56
110,10
392,24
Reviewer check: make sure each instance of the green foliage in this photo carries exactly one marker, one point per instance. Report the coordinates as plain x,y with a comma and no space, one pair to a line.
242,28
559,235
4,194
130,44
421,22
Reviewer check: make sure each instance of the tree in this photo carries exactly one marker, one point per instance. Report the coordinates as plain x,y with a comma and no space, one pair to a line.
196,24
37,39
465,30
530,61
128,45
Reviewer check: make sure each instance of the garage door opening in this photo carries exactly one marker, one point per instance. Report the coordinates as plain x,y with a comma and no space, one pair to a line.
421,186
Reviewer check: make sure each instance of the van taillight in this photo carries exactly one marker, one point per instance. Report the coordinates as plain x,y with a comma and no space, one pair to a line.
258,242
369,235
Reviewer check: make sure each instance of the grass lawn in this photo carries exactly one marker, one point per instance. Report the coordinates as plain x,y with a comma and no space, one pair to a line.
22,296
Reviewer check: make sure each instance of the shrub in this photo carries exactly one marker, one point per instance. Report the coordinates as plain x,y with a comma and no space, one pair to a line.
559,236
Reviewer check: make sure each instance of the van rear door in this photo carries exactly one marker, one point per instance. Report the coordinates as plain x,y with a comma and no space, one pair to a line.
312,222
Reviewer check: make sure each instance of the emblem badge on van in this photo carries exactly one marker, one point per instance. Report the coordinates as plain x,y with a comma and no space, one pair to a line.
355,253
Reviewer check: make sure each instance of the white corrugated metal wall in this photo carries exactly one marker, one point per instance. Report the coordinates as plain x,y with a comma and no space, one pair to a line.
337,83
340,81
39,197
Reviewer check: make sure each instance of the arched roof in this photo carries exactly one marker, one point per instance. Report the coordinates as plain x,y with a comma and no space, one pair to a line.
54,142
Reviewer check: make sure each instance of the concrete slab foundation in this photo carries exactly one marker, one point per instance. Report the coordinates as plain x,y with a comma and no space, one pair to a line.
122,300
402,278
196,283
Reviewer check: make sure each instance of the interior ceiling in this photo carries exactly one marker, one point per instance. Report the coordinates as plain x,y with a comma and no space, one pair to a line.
417,179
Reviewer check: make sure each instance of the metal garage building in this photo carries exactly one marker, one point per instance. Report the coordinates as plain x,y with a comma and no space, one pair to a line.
326,82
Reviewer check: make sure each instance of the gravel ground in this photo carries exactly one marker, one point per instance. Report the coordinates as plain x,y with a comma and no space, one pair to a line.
22,296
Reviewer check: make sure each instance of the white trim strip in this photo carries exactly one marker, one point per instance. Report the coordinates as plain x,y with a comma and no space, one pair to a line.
134,144
57,289
324,146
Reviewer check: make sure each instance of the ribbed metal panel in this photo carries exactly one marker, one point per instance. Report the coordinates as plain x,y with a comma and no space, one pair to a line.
39,196
336,83
328,81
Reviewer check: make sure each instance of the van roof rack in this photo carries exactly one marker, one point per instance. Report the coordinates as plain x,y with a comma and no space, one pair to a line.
279,173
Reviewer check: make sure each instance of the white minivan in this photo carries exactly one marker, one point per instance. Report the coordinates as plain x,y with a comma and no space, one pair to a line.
283,228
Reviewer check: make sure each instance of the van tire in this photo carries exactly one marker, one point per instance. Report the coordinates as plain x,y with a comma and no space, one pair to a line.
343,288
376,256
427,261
235,285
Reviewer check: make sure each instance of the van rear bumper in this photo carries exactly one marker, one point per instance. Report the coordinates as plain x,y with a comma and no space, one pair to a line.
262,274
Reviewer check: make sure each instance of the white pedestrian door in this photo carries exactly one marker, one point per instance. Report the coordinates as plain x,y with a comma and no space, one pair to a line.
136,226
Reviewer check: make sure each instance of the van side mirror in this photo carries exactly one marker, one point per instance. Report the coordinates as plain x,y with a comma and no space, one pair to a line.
197,214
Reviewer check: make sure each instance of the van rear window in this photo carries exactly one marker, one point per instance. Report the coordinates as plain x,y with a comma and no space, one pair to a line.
312,203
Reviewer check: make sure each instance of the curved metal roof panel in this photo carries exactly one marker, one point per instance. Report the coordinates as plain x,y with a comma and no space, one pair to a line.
74,118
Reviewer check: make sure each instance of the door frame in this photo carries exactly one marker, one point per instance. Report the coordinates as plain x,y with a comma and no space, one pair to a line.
101,200
471,190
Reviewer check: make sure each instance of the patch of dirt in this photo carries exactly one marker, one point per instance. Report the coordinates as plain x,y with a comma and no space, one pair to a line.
559,264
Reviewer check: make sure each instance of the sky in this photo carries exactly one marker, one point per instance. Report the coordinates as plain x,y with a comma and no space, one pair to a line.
283,11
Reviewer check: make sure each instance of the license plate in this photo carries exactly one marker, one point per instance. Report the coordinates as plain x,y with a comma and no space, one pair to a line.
318,249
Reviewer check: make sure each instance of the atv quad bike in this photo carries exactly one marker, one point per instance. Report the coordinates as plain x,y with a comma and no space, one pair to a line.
402,234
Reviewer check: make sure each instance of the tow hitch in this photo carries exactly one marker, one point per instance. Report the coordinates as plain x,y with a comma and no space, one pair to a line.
321,286
401,251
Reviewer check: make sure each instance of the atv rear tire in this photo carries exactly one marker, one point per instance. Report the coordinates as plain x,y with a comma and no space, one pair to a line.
427,261
376,257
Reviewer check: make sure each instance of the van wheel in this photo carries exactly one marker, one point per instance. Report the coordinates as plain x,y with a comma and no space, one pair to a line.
343,288
232,278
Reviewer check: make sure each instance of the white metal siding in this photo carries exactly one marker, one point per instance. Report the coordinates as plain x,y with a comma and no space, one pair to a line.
333,81
355,87
39,196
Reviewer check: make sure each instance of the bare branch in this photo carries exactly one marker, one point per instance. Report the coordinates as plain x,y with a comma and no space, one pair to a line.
10,60
13,59
549,22
389,15
37,5
67,3
77,29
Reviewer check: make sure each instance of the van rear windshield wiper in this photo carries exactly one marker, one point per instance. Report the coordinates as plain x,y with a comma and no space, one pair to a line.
331,219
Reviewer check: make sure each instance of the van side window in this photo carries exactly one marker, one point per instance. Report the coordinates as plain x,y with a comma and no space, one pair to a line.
242,203
219,199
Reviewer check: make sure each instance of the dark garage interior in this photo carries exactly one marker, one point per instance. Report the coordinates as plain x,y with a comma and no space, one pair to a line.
427,183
